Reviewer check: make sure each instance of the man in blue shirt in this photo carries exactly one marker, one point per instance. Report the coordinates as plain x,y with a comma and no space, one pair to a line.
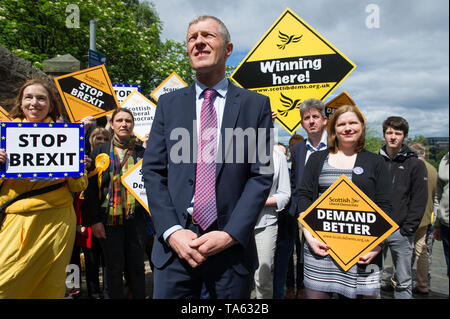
314,122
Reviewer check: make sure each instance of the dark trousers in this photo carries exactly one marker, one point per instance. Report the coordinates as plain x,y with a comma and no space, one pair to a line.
284,250
124,250
93,261
295,280
215,278
76,260
444,235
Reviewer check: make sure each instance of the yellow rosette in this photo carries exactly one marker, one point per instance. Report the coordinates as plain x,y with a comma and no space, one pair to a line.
101,165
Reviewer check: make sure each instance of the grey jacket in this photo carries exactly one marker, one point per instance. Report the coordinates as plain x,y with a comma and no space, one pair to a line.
441,197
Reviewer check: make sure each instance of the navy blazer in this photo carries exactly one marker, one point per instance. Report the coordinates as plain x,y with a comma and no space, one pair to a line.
298,156
169,168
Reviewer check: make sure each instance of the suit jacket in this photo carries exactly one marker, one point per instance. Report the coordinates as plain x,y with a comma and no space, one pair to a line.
242,188
298,156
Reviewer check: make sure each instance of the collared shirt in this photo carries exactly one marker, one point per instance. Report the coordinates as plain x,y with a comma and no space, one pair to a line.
322,145
218,101
219,105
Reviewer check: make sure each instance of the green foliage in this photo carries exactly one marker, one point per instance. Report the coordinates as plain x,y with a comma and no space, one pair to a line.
373,143
229,70
173,56
439,156
418,139
128,33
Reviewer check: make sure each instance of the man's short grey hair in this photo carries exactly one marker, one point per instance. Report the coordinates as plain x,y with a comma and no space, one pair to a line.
418,148
310,104
222,27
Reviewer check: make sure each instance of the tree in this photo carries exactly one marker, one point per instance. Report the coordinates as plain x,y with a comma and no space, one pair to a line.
418,139
173,55
128,33
373,143
437,161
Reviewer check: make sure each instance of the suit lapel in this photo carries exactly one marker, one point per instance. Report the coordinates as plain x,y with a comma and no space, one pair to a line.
301,157
302,154
230,115
188,116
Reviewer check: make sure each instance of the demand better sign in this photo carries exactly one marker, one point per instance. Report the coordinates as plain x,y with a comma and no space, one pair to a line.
42,150
348,221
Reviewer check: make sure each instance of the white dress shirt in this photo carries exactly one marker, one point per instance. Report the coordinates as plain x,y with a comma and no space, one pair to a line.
219,105
323,144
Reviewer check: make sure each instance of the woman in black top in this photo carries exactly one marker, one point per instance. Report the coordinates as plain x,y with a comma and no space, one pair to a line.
117,218
345,155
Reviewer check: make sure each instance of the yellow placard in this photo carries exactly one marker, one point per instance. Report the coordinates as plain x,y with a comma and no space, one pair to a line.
291,63
88,92
341,99
133,181
4,115
348,221
171,83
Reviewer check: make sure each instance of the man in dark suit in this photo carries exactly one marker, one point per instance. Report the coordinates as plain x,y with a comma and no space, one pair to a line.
314,122
207,240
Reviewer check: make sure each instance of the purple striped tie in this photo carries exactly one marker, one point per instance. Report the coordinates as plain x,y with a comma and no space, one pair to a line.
205,210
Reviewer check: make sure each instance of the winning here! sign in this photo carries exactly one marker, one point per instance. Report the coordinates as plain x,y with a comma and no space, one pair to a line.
42,150
291,63
348,221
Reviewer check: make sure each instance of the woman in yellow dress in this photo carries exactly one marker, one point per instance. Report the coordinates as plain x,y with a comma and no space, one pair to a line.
37,233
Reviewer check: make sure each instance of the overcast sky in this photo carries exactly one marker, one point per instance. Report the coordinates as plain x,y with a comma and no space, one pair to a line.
402,65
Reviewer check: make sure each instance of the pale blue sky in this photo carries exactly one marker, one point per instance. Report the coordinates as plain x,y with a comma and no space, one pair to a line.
402,65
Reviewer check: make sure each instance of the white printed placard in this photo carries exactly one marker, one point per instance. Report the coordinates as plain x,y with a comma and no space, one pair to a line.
123,90
143,112
171,83
133,180
42,150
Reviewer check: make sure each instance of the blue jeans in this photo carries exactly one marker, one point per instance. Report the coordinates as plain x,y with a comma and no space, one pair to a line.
401,250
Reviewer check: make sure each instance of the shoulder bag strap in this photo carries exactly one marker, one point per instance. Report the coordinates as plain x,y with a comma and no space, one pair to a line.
28,194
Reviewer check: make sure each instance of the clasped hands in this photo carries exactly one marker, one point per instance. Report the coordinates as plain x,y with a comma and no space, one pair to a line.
195,250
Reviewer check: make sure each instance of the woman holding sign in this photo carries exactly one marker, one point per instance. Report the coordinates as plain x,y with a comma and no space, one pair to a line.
345,155
38,228
117,219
